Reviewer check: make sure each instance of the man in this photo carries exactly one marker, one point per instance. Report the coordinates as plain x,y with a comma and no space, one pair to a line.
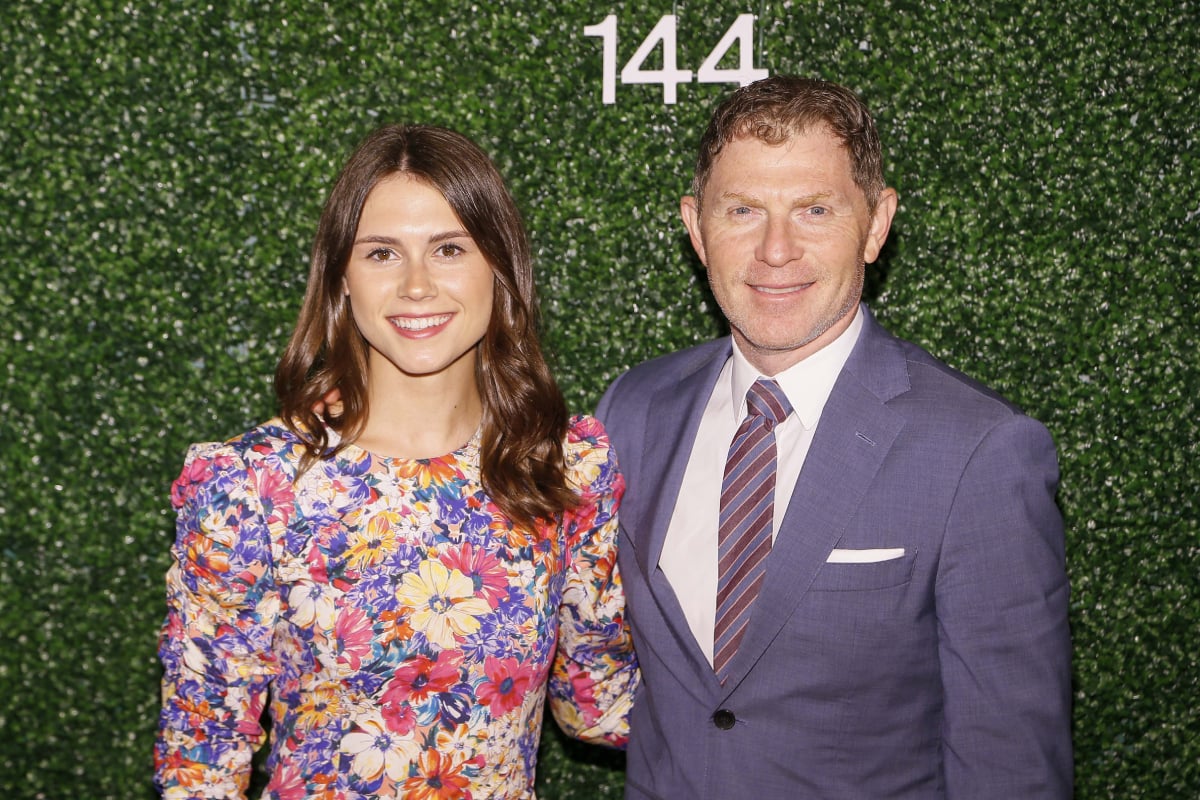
847,582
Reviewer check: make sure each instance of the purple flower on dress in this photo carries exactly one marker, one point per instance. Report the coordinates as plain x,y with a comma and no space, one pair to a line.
406,558
453,509
375,591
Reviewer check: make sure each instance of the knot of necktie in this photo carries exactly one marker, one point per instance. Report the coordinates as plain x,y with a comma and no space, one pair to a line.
767,400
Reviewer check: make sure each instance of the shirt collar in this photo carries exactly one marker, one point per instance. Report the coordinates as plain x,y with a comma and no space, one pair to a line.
807,383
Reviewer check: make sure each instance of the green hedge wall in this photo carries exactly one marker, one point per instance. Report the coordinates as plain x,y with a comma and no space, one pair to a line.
164,165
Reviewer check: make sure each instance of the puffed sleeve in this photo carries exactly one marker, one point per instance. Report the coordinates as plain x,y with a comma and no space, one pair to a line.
595,672
215,645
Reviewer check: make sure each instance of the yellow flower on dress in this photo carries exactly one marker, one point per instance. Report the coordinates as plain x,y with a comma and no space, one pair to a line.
587,466
320,707
376,542
443,602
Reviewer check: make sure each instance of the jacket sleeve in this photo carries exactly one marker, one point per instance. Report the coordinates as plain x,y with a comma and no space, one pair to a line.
595,672
1004,643
215,645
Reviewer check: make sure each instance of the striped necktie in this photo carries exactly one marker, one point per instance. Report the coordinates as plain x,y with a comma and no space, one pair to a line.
747,511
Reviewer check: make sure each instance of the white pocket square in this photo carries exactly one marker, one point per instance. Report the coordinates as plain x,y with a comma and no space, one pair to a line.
864,556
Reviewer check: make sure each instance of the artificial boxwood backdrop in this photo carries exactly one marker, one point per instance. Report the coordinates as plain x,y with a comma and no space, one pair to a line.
163,166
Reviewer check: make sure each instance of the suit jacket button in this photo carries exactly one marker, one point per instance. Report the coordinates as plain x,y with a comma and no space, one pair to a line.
724,719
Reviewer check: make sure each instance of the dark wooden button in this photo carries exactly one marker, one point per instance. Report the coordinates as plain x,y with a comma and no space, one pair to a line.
724,719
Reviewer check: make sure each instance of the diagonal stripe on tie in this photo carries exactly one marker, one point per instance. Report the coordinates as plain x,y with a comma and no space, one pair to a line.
747,511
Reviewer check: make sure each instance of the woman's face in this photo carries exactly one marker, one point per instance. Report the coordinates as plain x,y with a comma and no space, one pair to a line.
420,289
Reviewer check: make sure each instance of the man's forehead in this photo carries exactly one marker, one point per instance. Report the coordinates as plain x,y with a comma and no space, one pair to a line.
761,151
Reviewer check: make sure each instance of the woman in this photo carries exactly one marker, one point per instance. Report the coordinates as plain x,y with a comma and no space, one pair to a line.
409,567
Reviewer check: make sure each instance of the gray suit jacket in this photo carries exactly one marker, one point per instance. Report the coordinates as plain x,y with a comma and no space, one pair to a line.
941,674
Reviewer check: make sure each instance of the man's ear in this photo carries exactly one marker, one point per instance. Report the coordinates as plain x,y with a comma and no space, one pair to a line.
881,223
691,220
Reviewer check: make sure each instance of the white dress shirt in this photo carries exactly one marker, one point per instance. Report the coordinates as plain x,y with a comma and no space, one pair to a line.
689,556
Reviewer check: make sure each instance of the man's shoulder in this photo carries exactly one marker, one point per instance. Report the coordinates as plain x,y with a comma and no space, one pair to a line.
939,391
930,373
623,407
675,366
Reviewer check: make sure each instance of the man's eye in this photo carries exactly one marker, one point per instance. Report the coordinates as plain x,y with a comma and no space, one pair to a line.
818,211
740,211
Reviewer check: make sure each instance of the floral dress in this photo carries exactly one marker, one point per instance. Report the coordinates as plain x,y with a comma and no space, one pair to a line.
407,630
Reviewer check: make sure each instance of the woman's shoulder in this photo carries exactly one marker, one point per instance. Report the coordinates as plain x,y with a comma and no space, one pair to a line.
271,445
586,438
270,438
225,484
590,461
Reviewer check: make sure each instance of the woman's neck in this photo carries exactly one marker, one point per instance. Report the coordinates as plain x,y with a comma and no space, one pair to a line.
422,416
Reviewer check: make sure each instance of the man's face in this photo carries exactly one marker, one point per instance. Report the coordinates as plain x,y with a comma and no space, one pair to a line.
785,234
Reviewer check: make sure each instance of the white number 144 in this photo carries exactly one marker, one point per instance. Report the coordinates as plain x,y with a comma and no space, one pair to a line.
741,32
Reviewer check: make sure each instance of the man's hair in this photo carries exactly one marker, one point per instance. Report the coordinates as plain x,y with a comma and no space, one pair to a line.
775,109
524,415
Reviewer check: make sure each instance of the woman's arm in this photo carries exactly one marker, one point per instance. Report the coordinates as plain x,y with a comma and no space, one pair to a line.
595,673
215,645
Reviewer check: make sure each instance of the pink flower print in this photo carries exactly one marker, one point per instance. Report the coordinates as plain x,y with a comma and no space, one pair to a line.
288,784
353,636
196,472
508,682
583,690
275,490
421,677
487,574
399,717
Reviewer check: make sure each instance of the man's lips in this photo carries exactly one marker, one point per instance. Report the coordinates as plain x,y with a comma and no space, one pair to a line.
780,290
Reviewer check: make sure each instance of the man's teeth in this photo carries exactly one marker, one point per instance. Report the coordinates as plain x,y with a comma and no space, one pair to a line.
419,323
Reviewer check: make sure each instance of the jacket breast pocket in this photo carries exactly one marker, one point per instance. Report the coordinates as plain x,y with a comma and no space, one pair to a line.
834,577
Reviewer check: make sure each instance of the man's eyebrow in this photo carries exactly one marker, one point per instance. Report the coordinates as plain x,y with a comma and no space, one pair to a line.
739,197
812,199
799,202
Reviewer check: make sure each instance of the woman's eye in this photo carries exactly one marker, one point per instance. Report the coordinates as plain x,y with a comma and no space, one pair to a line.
449,250
379,254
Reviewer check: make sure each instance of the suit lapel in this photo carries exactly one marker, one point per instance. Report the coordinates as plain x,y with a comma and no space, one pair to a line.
853,438
673,417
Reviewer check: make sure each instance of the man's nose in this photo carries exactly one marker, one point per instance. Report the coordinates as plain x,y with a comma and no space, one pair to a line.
780,243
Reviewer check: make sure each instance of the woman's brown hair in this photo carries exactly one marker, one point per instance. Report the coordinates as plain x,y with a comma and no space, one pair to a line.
524,415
